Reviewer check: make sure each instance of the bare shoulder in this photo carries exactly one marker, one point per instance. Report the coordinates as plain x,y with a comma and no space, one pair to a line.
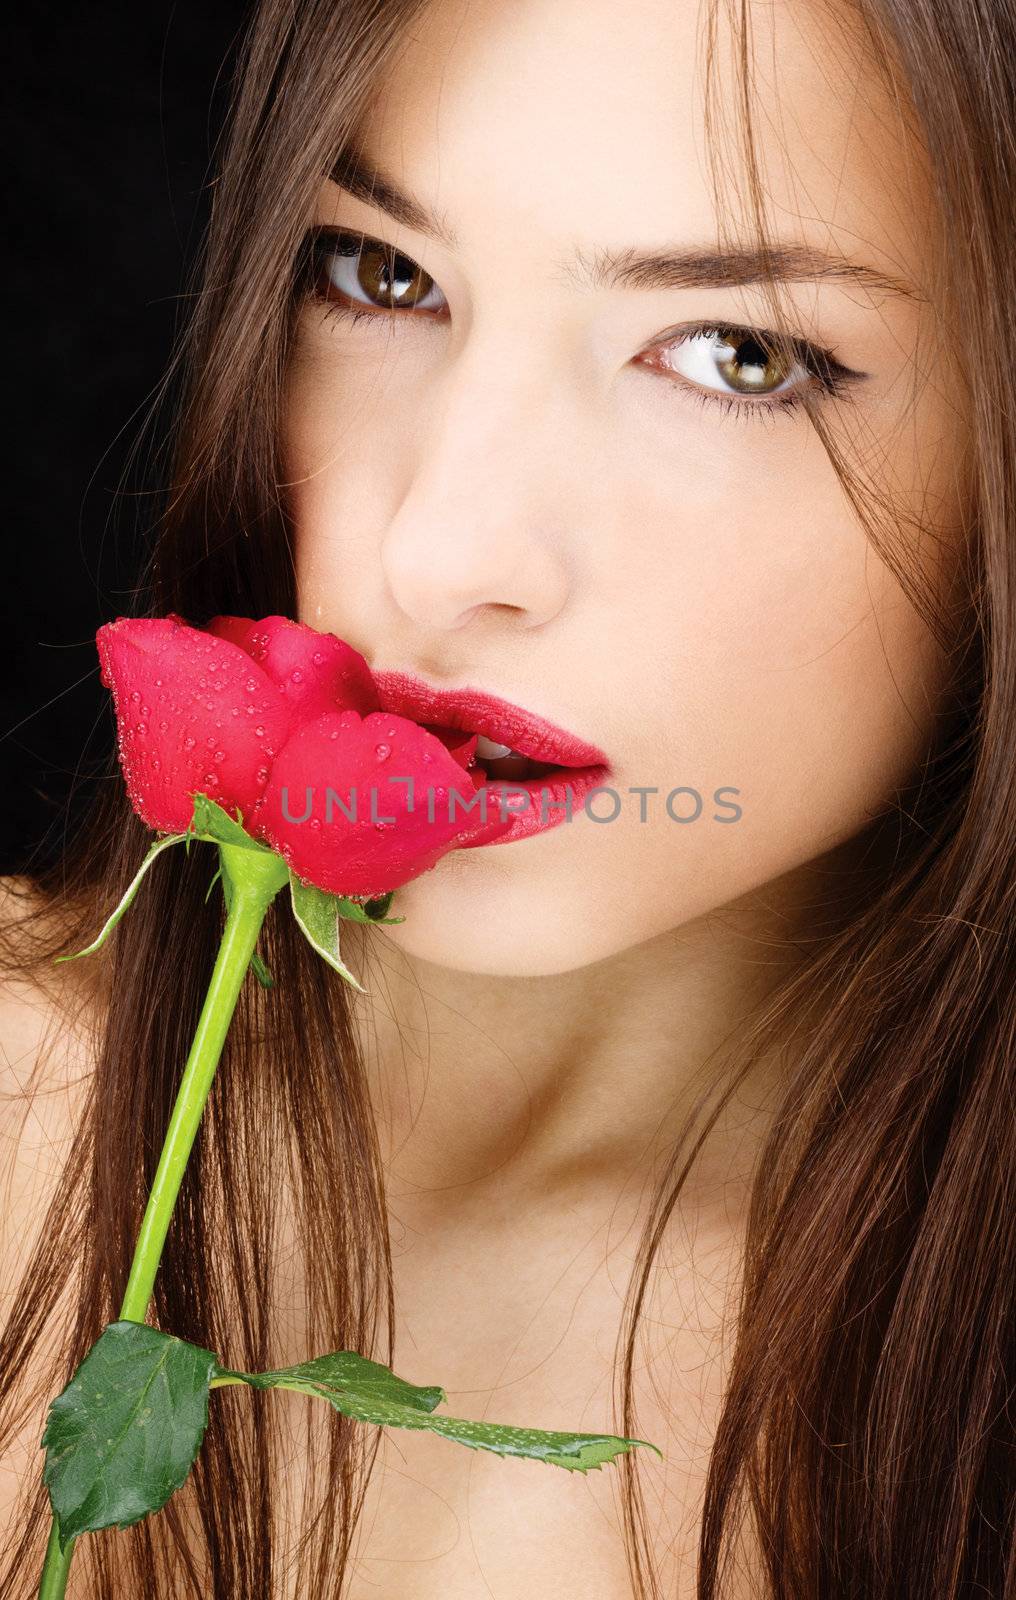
47,1037
47,1010
46,1054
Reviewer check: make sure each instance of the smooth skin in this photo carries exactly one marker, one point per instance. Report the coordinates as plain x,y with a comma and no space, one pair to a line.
532,486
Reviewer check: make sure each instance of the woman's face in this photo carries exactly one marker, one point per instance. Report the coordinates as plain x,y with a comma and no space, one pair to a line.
542,476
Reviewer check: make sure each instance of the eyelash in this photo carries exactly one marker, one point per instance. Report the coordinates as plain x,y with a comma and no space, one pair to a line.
821,364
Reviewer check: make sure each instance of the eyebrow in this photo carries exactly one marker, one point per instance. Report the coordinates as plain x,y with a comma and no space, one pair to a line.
677,268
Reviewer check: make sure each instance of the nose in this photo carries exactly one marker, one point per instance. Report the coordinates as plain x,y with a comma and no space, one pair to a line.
482,522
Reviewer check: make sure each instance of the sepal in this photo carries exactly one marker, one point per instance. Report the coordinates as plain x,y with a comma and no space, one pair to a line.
318,915
132,889
366,910
210,821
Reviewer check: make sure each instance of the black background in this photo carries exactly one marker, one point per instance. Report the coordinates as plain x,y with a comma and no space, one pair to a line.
112,112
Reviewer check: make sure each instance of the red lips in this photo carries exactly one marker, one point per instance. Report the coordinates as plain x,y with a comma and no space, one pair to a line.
500,720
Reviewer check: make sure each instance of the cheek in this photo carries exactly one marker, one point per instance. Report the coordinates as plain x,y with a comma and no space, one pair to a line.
338,470
780,658
769,652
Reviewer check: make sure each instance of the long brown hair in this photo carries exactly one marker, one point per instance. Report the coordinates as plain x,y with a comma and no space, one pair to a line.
866,1434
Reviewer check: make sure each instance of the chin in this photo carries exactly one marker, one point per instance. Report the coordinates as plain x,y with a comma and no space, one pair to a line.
497,923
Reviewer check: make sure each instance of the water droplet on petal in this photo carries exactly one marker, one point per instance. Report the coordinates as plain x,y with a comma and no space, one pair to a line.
156,764
318,657
211,780
382,751
259,731
220,755
188,743
315,823
252,684
136,696
163,725
296,676
142,727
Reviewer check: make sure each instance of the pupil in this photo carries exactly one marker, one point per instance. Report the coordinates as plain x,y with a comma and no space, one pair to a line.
750,367
386,273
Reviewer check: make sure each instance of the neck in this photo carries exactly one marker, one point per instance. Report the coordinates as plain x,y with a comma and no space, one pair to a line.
507,1090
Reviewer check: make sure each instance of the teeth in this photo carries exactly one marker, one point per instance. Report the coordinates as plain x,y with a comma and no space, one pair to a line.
487,750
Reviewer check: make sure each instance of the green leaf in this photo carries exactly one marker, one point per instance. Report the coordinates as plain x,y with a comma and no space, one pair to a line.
370,1392
347,1372
366,910
318,915
132,889
122,1436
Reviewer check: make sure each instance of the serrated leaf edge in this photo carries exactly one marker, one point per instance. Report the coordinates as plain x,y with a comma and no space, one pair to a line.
53,1460
565,1448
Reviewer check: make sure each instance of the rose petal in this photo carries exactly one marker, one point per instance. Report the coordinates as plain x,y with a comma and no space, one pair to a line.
316,671
352,756
461,746
193,713
236,629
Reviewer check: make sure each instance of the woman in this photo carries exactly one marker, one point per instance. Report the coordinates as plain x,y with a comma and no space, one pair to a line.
639,366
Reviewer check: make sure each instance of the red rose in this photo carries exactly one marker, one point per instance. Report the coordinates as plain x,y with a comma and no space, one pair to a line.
256,713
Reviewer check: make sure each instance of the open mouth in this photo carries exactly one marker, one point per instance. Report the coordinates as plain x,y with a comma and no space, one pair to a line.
537,795
499,762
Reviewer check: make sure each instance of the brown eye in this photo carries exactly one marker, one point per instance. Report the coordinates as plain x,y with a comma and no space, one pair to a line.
357,271
749,367
732,361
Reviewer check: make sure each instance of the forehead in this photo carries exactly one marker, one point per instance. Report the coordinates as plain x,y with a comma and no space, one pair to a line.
583,123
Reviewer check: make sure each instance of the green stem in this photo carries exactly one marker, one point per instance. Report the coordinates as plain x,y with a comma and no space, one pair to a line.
256,877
